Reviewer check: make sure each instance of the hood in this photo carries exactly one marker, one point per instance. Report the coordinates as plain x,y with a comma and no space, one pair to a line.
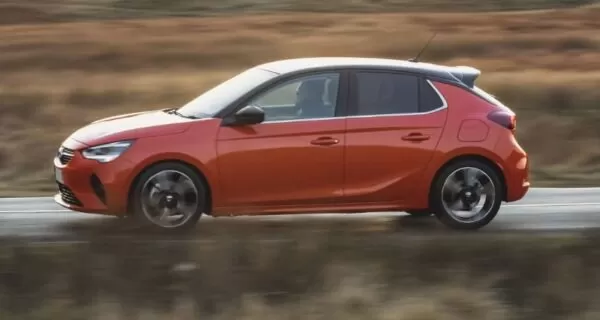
130,126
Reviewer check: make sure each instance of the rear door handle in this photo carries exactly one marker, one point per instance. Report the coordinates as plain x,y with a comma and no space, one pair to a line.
416,136
325,141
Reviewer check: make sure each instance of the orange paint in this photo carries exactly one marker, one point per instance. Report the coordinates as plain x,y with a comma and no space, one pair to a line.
341,164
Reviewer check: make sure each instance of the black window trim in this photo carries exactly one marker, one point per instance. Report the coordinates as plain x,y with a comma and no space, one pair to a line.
342,98
353,89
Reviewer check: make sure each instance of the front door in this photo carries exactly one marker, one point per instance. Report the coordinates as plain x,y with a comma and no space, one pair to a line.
395,123
293,158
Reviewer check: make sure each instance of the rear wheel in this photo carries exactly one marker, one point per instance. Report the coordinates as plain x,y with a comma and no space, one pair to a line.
169,196
467,195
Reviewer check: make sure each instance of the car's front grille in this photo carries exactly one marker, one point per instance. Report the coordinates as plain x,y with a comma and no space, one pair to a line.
67,195
65,155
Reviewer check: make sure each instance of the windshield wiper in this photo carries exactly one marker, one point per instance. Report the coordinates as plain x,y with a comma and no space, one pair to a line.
177,113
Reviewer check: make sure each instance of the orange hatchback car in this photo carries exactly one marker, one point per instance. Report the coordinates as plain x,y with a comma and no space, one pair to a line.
307,135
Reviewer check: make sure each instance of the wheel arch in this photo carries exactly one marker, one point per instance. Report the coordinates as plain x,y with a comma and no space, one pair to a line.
476,157
192,167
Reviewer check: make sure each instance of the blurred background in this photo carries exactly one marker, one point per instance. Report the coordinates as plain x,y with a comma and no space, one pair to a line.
65,63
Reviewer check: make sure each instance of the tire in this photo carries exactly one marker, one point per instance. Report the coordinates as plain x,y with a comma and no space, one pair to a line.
494,191
180,179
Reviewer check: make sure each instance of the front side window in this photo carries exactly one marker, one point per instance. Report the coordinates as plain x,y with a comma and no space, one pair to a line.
379,93
307,97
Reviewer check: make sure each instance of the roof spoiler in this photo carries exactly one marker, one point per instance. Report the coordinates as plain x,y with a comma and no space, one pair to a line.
465,74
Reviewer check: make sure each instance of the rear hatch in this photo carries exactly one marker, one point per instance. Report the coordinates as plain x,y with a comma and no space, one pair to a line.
503,116
468,76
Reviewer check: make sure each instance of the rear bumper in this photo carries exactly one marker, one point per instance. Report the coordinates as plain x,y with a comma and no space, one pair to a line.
516,190
516,169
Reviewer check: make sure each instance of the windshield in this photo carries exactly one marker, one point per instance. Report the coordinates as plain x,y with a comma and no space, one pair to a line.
212,101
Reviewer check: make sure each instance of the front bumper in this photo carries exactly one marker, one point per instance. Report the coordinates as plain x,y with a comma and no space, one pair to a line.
58,198
92,187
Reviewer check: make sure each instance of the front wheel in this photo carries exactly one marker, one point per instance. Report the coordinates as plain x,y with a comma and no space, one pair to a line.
467,195
169,196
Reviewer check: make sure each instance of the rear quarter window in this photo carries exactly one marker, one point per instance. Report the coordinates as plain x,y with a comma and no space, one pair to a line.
429,99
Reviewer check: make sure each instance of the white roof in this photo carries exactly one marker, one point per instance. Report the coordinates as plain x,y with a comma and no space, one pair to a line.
298,64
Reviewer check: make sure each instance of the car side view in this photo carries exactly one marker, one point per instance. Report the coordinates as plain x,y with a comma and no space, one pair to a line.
306,135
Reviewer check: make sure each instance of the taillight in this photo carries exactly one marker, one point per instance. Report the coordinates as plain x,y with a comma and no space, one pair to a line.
505,119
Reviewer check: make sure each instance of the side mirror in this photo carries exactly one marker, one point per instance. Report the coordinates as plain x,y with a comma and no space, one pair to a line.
247,115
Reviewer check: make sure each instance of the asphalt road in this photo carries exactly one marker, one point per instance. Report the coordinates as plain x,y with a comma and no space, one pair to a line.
560,209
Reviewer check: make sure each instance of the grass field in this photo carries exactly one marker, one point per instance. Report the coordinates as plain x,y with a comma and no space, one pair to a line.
305,275
57,77
12,11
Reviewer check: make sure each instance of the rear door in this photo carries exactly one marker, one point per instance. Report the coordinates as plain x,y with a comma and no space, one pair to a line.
395,122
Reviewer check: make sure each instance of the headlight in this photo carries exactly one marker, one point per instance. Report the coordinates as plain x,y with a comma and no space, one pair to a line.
106,152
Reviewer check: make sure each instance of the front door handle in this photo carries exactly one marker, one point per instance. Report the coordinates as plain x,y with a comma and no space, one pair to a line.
325,141
416,136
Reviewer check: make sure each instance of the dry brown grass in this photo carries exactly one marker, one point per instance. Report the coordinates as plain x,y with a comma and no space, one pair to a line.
301,275
57,77
12,11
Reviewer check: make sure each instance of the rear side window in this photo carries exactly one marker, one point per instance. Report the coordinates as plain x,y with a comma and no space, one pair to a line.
386,93
430,100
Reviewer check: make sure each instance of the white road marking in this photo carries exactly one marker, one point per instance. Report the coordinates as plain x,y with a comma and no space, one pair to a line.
35,211
524,205
541,205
